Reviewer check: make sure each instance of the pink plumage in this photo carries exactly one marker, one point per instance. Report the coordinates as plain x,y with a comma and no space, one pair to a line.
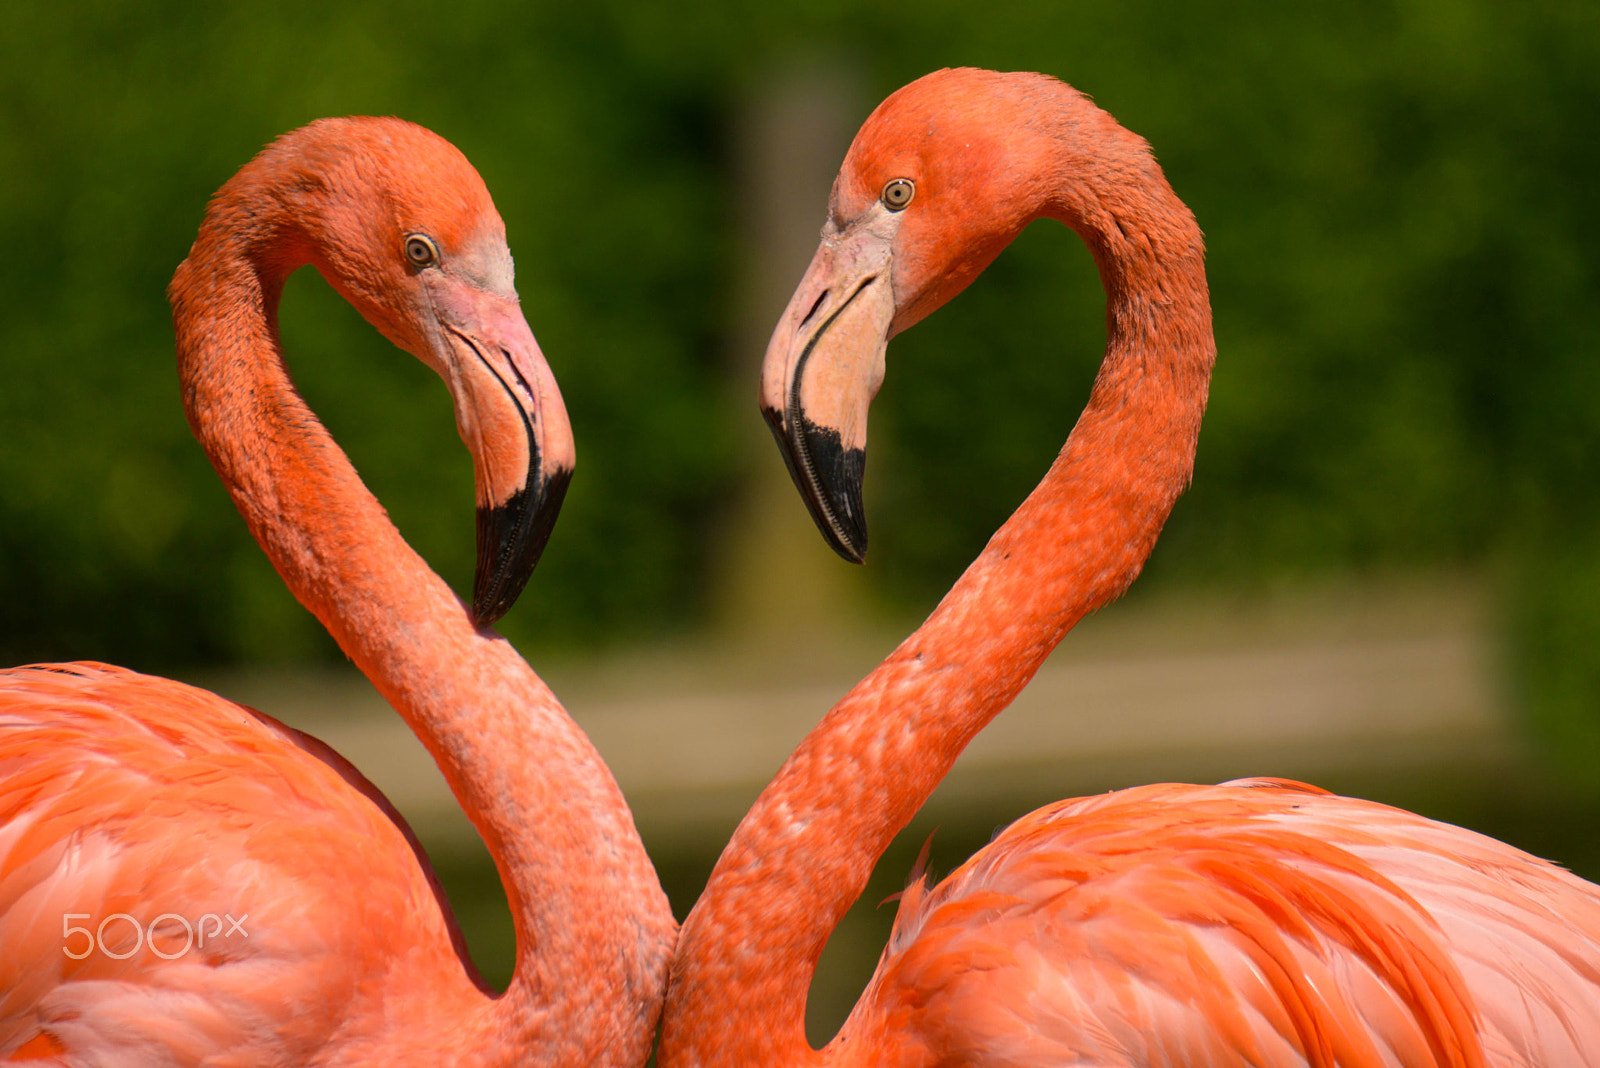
137,813
290,892
1219,925
1259,923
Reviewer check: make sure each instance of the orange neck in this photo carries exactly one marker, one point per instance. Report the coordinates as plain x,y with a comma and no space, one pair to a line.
583,894
804,853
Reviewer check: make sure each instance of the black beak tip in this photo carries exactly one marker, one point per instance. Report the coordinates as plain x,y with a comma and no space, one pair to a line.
852,551
850,542
829,477
511,538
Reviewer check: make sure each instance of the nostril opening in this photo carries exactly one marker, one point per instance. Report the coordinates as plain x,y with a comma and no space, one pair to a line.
522,380
814,308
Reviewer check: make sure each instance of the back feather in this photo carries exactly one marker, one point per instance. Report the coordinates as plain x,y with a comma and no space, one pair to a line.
1256,923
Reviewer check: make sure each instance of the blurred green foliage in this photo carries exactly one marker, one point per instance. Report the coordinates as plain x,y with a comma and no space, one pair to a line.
1404,238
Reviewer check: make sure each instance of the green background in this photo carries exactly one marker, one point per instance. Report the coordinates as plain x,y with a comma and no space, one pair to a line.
1403,229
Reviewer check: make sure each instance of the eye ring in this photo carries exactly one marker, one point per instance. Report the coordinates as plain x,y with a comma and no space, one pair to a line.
898,193
421,251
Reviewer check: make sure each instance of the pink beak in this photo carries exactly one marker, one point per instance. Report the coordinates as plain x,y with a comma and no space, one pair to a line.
511,417
823,366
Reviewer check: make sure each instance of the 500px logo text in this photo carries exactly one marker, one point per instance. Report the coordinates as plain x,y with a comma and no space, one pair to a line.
168,936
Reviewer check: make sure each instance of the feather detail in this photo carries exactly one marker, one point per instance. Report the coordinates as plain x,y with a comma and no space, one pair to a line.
244,937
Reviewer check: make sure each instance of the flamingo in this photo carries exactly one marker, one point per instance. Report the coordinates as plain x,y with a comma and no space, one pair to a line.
1260,922
184,881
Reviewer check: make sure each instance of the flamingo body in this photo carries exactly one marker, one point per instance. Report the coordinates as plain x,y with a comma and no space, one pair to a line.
131,802
1254,923
336,914
1259,923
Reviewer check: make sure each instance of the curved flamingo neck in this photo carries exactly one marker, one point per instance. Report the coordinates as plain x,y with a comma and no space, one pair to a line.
807,848
593,928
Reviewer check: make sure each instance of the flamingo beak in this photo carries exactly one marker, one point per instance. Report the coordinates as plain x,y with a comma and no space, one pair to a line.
510,416
823,366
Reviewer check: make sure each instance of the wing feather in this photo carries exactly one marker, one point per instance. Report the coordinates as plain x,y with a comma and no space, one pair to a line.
242,888
1258,923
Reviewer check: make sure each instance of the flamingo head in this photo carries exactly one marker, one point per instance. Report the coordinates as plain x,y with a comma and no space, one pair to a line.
940,178
398,221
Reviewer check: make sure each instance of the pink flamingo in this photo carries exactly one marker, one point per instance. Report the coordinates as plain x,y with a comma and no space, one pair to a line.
185,881
1255,923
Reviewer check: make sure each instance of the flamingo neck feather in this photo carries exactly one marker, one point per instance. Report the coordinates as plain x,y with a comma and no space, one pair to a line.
804,853
592,926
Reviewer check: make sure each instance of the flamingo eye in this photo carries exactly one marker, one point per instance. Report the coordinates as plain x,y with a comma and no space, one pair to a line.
898,193
421,251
